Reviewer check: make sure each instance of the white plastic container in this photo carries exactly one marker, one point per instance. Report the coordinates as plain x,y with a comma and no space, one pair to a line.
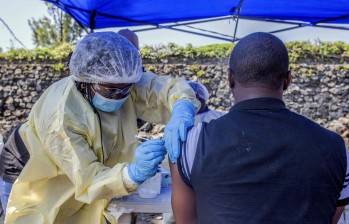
150,188
134,203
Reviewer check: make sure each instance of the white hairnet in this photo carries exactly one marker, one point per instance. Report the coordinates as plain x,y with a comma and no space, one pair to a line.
105,57
200,90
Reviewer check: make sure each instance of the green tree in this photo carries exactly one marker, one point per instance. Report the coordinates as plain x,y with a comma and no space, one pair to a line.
56,29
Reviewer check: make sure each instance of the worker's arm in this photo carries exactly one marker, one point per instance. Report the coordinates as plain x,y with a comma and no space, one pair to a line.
155,96
337,215
183,199
69,144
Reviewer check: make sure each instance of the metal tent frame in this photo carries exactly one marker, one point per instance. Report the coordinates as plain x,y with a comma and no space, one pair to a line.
235,15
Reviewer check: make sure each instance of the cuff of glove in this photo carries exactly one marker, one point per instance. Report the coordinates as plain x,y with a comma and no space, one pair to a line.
129,184
185,105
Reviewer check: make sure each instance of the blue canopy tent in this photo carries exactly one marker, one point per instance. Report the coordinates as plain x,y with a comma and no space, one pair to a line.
97,14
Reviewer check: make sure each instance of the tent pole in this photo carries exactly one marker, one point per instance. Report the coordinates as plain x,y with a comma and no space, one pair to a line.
332,19
183,24
236,28
286,29
191,32
186,25
92,20
300,24
196,33
331,27
209,31
238,10
274,21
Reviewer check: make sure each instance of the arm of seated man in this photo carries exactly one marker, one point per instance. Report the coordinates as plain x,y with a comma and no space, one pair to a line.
183,198
183,195
337,215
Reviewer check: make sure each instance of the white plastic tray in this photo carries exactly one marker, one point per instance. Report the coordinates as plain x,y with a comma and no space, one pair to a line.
134,203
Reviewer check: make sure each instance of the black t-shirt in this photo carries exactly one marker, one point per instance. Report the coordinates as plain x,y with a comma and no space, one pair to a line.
262,163
13,157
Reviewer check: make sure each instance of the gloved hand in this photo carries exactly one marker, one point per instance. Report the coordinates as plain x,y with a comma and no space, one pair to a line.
183,114
148,156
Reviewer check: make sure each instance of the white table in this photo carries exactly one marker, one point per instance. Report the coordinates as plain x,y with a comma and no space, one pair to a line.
135,204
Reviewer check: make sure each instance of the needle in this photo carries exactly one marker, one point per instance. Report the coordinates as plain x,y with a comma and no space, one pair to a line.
142,138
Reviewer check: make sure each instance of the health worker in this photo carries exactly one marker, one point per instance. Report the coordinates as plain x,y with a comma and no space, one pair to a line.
81,134
204,114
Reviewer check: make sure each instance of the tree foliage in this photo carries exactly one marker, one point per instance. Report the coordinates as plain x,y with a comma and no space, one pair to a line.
56,29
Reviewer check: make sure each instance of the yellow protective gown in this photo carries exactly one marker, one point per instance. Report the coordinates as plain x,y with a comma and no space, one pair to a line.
75,168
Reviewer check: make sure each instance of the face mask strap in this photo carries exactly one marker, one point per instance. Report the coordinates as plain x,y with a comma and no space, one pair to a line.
88,95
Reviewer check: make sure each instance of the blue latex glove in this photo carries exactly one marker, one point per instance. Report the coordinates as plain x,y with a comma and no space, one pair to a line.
148,156
183,114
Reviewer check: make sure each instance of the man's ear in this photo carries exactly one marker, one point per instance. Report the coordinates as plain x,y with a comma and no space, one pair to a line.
287,81
231,79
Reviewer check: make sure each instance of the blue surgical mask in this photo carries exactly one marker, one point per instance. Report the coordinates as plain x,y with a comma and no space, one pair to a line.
107,105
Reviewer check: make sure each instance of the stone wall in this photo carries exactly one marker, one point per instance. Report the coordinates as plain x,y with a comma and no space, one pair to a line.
319,91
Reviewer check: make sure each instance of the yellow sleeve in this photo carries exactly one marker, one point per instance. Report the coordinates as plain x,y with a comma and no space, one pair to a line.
154,96
70,145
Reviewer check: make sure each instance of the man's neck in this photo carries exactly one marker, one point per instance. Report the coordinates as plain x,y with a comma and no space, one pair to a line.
242,93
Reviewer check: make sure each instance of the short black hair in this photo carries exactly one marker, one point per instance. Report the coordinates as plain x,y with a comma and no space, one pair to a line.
260,59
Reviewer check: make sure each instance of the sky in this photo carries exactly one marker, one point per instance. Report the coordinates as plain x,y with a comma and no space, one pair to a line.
16,14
